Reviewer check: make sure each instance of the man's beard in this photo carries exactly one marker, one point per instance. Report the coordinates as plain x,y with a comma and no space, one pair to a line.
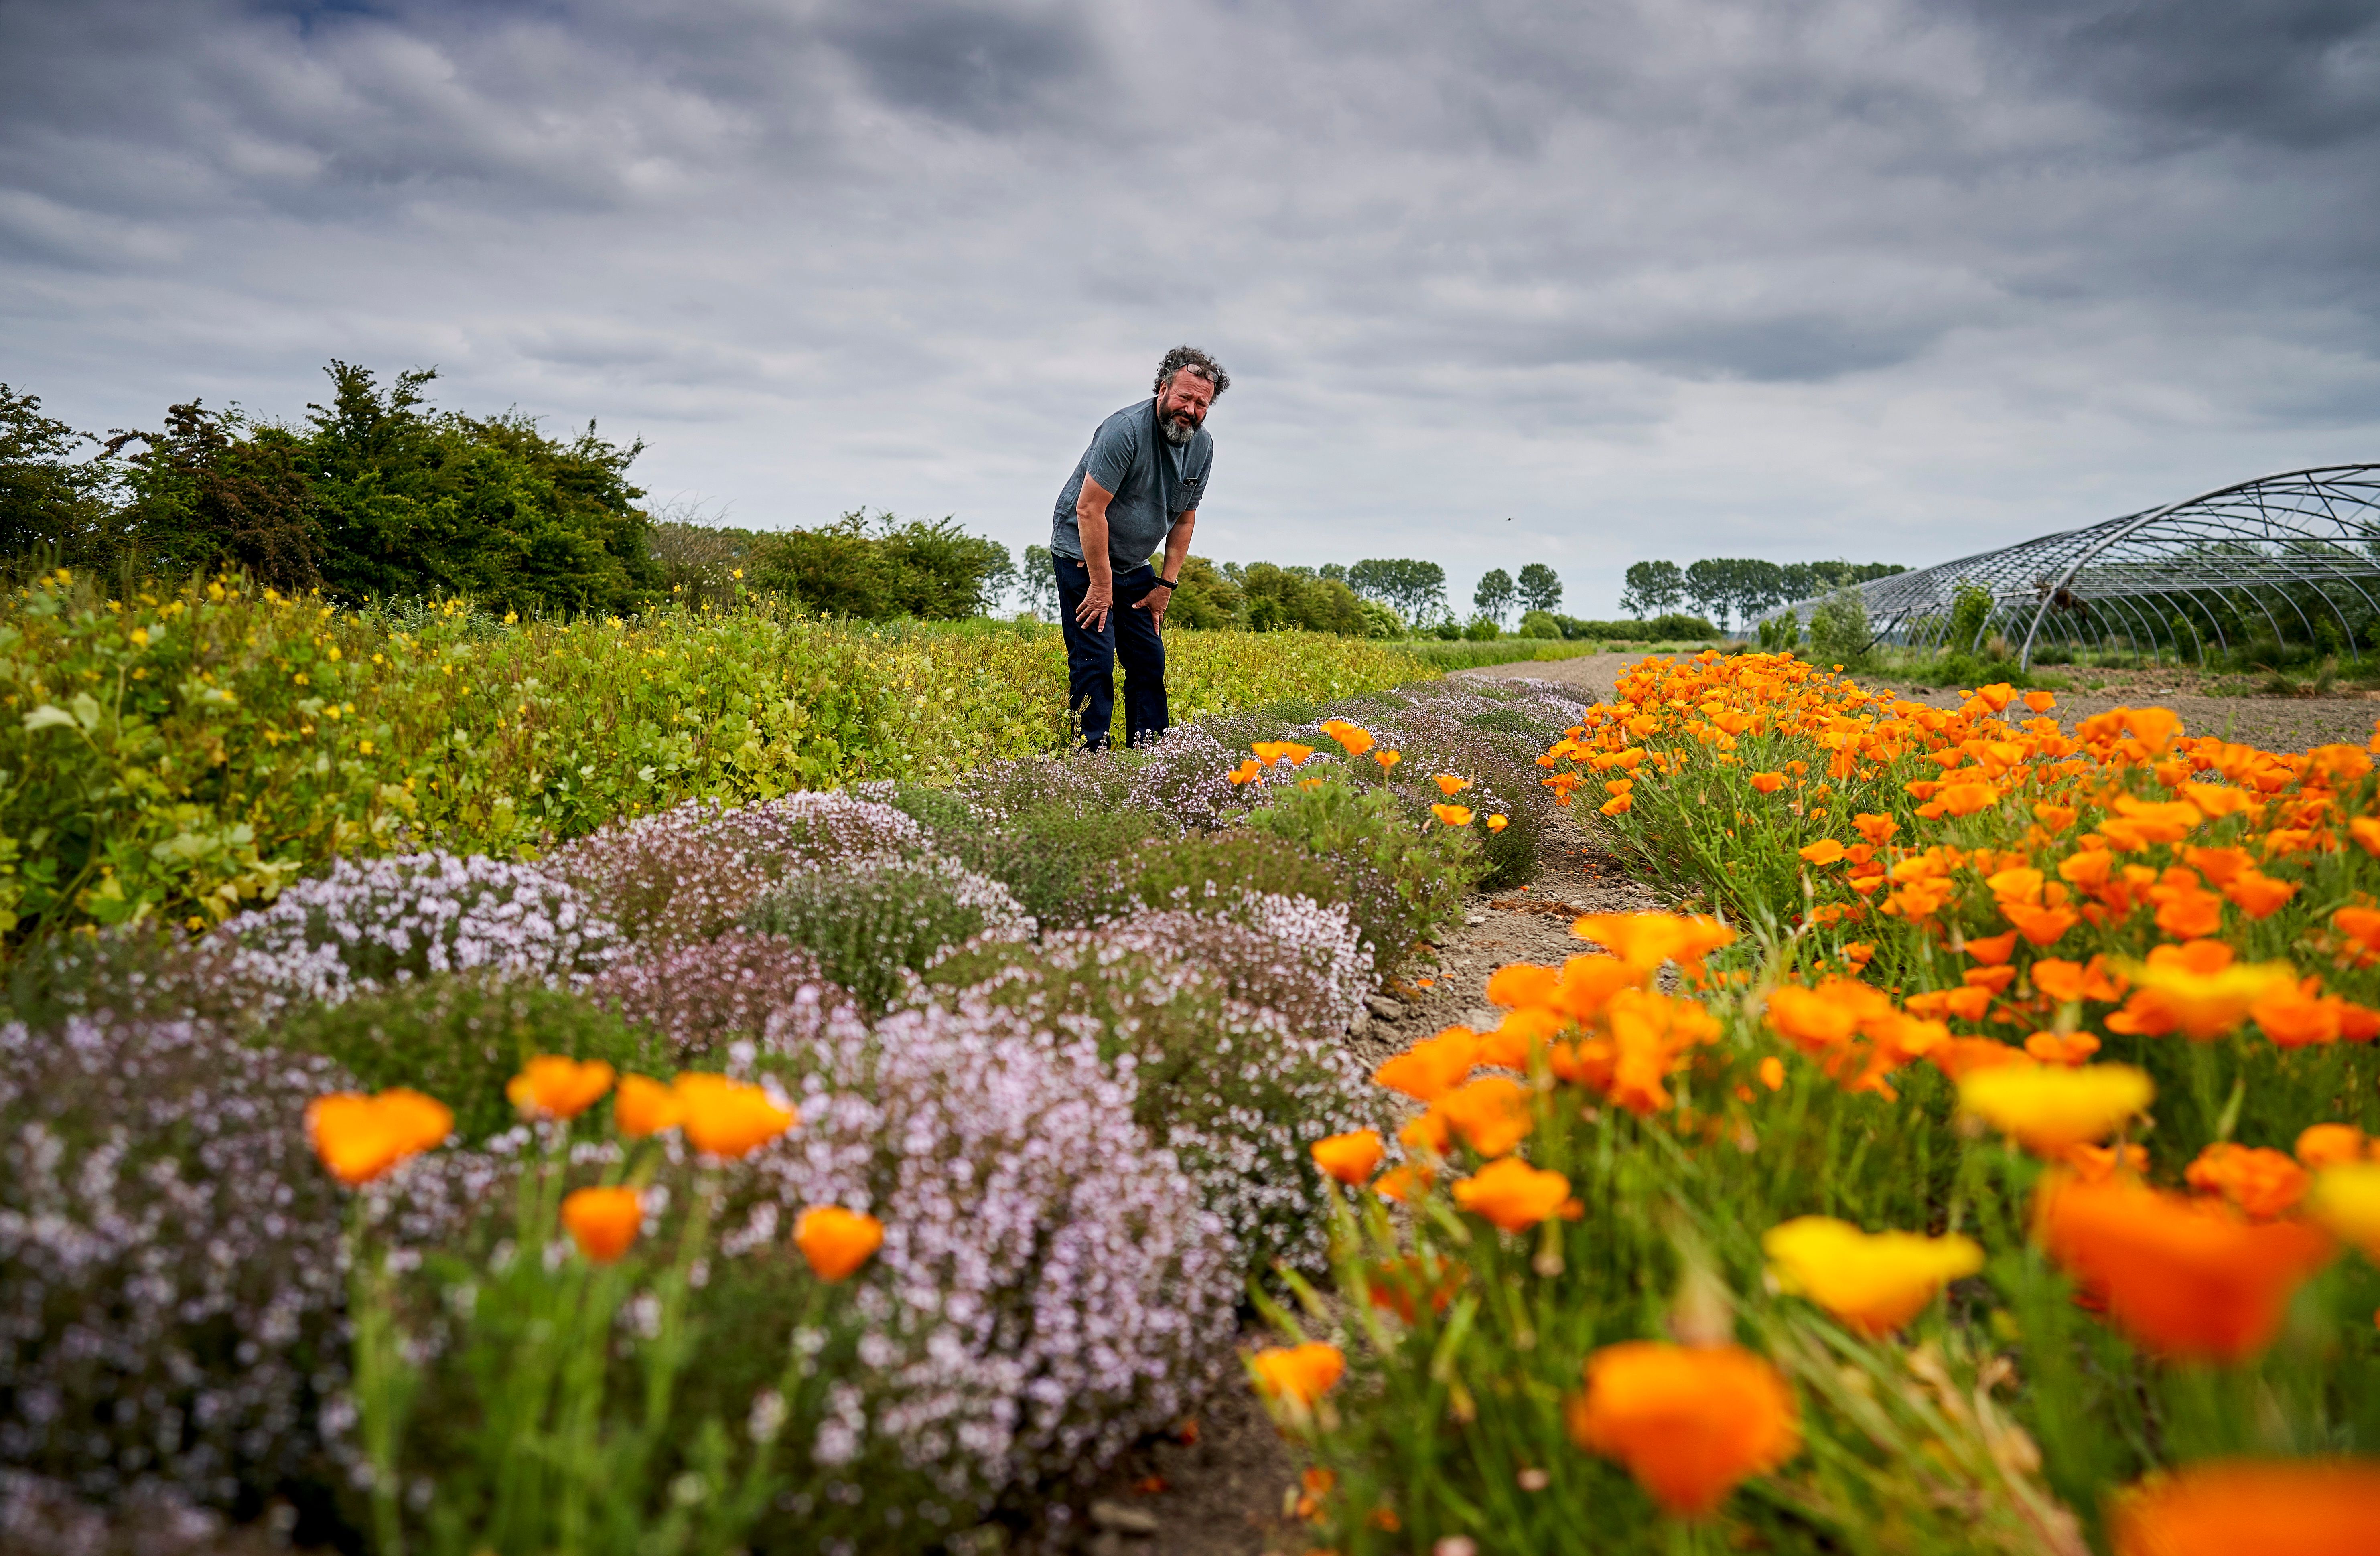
1178,429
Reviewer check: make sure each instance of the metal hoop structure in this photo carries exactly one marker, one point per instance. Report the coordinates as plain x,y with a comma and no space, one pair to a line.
2292,558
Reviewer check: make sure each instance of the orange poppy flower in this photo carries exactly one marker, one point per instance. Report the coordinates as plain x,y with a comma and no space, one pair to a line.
2197,988
1248,771
1449,785
2305,1507
1302,1374
1877,829
2259,1180
1689,1424
1619,804
1767,783
358,1138
1355,739
551,1086
2331,1145
1270,752
1498,823
1387,759
1492,1113
1515,1196
729,1118
2061,1048
1993,951
644,1106
1453,815
1350,1158
835,1241
2182,1277
1825,851
1404,1182
602,1222
1433,1066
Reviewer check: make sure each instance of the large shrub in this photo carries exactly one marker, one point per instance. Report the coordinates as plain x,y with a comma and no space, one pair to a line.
171,1280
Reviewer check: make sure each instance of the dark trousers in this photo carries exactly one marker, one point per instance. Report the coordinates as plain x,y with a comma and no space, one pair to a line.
1091,657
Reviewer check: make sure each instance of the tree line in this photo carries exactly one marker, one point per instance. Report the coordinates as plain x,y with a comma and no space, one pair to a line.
1730,589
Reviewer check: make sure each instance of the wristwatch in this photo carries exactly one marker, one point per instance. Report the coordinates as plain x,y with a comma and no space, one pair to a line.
1170,584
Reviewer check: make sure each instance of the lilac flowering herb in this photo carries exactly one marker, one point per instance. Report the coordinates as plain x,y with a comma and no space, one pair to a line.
370,923
688,873
1050,1286
1230,1088
705,996
874,923
170,1269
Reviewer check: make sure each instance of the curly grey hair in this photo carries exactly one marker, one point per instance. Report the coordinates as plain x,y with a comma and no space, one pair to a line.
1190,358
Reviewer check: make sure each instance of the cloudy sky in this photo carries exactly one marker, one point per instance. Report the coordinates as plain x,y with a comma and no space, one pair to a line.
1581,282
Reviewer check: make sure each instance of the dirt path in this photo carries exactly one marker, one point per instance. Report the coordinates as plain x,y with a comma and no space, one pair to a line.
1231,1491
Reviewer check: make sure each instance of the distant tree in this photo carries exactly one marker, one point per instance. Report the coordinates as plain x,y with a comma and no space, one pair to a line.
1036,582
1333,570
1494,595
880,568
1728,588
1540,588
1279,598
1207,601
1711,587
210,491
48,499
1807,580
1654,588
1414,590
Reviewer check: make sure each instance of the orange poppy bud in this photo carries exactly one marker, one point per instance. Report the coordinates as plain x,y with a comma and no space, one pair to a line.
603,1222
553,1086
1772,1073
728,1118
837,1241
358,1138
1350,1158
1689,1423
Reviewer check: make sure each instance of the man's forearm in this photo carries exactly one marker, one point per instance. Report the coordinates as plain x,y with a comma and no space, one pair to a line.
1092,525
1177,544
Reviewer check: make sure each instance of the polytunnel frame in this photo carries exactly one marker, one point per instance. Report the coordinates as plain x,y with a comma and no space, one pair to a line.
2257,545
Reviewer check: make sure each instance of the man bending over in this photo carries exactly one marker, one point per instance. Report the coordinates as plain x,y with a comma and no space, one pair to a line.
1135,487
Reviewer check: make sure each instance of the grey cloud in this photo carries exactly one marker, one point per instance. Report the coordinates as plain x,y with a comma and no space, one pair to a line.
1794,279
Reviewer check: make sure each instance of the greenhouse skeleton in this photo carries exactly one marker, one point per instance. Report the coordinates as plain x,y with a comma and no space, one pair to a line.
2289,557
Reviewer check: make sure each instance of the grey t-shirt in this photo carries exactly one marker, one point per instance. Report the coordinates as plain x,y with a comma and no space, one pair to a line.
1154,483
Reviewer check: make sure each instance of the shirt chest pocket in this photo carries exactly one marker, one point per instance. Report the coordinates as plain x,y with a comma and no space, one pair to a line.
1188,497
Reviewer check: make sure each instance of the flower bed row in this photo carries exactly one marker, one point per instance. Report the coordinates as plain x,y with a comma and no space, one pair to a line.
1997,1174
575,1262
